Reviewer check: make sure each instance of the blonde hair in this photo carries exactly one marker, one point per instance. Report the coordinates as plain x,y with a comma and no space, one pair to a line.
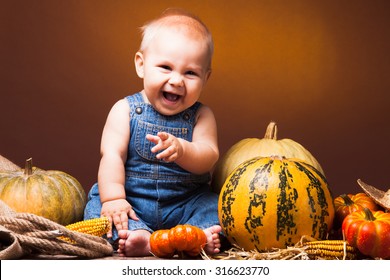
181,20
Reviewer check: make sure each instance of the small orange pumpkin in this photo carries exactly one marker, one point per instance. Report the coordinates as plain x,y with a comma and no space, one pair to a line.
188,239
181,238
345,204
369,231
160,244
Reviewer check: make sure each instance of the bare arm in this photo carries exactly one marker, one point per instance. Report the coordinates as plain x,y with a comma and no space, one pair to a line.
115,137
111,175
198,156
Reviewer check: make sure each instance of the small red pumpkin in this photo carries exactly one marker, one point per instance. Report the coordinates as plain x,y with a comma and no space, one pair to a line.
188,239
181,238
160,244
345,204
369,231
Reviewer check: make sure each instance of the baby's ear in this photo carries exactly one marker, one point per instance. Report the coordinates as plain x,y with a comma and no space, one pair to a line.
139,64
208,75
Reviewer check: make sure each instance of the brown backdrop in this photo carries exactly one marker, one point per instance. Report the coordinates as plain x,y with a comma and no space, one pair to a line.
319,69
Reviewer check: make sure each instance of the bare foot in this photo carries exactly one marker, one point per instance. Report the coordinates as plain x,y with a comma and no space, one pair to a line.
213,244
133,243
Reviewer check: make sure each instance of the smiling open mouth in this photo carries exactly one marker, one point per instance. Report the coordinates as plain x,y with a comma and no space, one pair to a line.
170,96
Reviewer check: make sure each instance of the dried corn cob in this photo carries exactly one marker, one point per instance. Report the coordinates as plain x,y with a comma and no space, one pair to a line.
330,250
96,227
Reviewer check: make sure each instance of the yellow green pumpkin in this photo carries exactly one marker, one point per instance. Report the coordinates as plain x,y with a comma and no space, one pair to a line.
271,202
52,194
254,147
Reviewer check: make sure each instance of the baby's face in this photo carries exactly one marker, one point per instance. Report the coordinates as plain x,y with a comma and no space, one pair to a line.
175,68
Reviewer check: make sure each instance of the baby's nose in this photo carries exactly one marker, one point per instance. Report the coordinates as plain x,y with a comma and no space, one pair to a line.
176,79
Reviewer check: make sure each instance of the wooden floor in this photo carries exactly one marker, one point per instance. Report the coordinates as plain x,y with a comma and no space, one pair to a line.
115,256
66,257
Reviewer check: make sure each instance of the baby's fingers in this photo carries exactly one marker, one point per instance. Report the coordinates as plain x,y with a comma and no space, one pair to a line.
152,138
168,155
132,215
163,135
120,220
157,141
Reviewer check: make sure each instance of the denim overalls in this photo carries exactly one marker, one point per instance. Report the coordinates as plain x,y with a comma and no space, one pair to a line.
162,194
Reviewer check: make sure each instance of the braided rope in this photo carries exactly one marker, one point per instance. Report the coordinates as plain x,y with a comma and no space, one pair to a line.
38,235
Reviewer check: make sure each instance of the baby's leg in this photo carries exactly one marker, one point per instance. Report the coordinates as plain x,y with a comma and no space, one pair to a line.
201,210
213,244
134,243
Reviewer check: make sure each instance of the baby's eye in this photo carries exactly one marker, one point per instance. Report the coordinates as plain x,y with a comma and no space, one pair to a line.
165,67
191,73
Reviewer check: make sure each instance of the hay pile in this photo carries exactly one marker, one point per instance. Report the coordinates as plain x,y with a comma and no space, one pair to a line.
290,253
299,251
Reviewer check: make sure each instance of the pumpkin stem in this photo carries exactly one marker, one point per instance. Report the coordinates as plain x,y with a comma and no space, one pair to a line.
28,167
272,131
347,200
369,215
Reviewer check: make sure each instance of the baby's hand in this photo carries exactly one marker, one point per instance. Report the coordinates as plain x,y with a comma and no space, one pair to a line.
169,146
118,212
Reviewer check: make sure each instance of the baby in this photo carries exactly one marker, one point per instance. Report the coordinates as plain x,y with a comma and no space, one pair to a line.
159,145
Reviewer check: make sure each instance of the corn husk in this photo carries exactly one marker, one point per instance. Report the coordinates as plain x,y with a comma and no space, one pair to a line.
7,165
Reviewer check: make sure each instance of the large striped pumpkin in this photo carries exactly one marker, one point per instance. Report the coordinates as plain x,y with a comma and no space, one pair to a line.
271,202
248,148
52,194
